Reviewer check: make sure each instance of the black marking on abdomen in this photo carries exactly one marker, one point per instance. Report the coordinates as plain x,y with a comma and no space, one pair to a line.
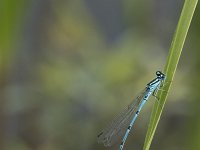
122,143
129,127
137,112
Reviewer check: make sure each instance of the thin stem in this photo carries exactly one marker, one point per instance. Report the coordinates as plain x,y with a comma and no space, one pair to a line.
171,65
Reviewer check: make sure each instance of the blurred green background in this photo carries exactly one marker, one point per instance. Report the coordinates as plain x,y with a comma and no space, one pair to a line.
67,67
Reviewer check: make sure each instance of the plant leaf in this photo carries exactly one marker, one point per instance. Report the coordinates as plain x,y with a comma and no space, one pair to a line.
170,67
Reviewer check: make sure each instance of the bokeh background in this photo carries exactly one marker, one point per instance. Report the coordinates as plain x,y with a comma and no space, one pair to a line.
69,66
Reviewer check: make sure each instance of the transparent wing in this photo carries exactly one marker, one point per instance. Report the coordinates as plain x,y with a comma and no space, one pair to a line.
116,129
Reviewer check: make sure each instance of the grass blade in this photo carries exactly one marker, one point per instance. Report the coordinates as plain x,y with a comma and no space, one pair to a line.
171,65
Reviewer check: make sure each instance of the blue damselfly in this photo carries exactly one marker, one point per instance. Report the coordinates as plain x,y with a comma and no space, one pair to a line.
121,125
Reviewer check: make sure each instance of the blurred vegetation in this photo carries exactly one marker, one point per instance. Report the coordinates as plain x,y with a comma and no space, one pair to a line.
67,67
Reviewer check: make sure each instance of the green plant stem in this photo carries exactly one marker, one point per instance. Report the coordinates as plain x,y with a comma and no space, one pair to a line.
170,67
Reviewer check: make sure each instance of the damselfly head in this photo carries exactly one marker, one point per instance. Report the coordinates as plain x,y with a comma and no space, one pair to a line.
160,75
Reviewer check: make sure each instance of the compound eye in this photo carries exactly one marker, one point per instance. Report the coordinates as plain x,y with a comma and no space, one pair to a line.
158,73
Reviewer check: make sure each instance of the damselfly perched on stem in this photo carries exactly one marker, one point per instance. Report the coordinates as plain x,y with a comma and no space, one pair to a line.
120,127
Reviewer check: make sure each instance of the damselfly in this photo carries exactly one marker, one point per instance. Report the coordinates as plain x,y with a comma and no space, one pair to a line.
120,127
